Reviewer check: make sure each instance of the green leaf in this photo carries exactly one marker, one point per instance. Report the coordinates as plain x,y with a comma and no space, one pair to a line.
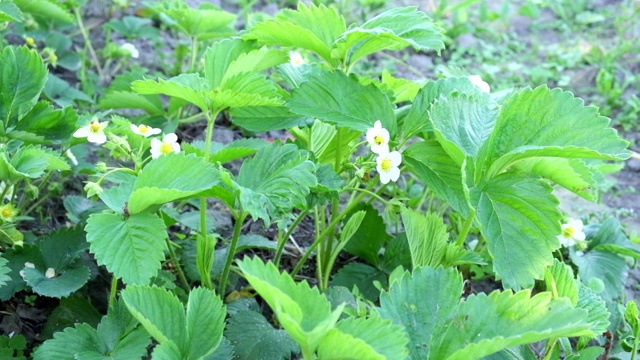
462,124
560,282
130,247
572,174
65,345
73,309
610,237
62,93
4,270
364,338
277,179
189,87
45,9
117,337
303,312
16,257
314,28
520,221
367,241
427,236
226,153
44,125
32,161
22,78
169,178
262,93
441,326
608,267
159,311
361,276
61,285
128,100
418,119
254,338
340,99
436,169
10,12
203,23
266,118
394,29
550,123
315,138
484,324
205,322
597,312
403,89
422,303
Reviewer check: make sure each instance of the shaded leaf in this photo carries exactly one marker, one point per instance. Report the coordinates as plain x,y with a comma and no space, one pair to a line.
254,338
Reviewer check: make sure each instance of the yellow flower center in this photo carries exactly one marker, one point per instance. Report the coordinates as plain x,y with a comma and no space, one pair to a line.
143,129
568,232
378,140
30,41
386,165
166,148
95,127
7,212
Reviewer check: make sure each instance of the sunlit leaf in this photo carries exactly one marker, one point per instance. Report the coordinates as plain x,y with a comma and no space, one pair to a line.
22,78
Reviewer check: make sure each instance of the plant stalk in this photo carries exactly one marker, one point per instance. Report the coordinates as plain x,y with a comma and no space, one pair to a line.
87,42
231,251
178,267
282,242
356,200
466,227
114,291
205,277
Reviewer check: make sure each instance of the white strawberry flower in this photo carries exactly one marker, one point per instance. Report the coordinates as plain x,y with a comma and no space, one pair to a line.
388,166
572,232
168,145
295,58
479,83
144,130
131,49
94,132
378,138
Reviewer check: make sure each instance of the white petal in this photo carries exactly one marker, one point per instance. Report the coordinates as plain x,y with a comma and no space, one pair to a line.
154,131
155,148
384,177
175,147
394,174
579,235
377,125
82,132
380,149
577,225
170,138
135,129
29,265
100,138
395,157
50,273
371,133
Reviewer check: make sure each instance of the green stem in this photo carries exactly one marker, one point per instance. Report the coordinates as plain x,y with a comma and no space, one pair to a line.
352,204
466,227
549,349
634,350
177,266
87,42
205,277
368,192
194,53
282,242
231,251
114,291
